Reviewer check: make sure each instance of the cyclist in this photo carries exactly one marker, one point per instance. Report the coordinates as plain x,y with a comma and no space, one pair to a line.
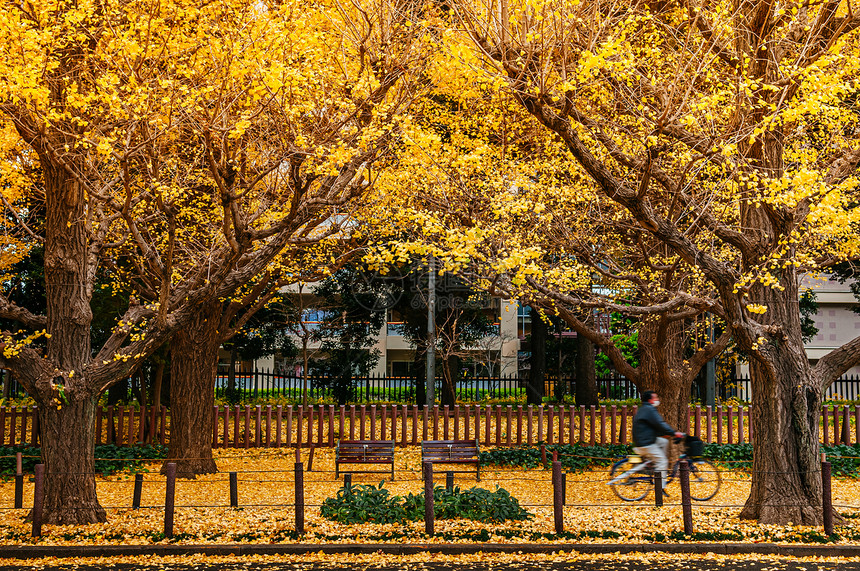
649,428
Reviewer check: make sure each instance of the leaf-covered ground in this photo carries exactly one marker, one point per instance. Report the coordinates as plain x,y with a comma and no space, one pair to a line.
266,496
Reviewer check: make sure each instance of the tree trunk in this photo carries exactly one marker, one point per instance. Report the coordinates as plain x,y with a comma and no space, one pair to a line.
68,428
70,487
419,369
156,383
786,403
586,375
192,393
536,384
662,369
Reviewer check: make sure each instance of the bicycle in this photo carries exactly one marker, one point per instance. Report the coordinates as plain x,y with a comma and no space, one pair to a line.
631,477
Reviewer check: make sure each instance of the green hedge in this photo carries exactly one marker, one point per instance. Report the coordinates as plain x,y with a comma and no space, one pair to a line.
844,459
110,458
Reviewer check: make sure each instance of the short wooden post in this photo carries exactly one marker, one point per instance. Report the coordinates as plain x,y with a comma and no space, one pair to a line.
311,458
347,480
138,489
449,481
658,488
543,455
563,488
429,515
300,498
686,502
19,481
557,497
827,497
234,490
169,498
38,500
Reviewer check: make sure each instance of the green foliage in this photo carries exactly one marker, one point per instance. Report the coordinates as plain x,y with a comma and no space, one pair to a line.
110,458
364,503
737,456
625,336
573,457
844,459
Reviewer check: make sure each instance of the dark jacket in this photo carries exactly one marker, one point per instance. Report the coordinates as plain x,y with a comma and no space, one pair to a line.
648,425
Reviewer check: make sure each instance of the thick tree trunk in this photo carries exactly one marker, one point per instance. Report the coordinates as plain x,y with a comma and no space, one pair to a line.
537,373
586,375
786,403
68,428
157,382
192,393
662,369
68,452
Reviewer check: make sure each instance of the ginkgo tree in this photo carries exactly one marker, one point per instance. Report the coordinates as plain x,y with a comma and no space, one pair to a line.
189,145
498,204
726,132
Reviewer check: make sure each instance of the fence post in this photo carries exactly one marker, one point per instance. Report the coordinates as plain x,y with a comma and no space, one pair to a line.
429,515
138,489
300,499
19,481
169,498
311,458
658,488
234,490
685,497
557,497
827,497
563,488
449,481
38,500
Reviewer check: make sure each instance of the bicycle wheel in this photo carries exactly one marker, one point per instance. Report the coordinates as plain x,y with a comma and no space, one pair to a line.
704,480
632,487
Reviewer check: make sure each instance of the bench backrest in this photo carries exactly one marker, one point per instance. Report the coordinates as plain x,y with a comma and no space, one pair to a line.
449,449
365,449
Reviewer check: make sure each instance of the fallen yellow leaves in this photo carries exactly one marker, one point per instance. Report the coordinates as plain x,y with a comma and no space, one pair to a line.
266,515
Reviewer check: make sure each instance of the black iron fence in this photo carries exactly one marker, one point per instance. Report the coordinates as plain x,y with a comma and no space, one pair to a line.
255,384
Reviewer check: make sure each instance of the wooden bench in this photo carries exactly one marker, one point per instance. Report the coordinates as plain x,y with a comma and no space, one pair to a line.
363,452
452,452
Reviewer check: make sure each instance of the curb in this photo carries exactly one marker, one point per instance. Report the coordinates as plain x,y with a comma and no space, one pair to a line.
239,549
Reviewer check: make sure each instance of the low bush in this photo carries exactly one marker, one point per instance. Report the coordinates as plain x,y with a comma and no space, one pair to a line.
374,504
844,459
573,457
110,458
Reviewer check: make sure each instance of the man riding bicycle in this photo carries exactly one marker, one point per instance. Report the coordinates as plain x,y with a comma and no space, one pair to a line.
649,428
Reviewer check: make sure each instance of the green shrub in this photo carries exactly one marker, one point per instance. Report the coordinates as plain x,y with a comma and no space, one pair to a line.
573,457
110,458
364,504
374,504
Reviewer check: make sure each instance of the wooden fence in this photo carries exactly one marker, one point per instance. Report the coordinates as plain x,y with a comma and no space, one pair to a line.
496,425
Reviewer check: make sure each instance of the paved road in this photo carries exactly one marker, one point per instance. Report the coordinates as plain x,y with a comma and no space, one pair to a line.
579,565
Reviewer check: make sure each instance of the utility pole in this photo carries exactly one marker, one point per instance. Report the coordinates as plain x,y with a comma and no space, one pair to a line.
430,383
